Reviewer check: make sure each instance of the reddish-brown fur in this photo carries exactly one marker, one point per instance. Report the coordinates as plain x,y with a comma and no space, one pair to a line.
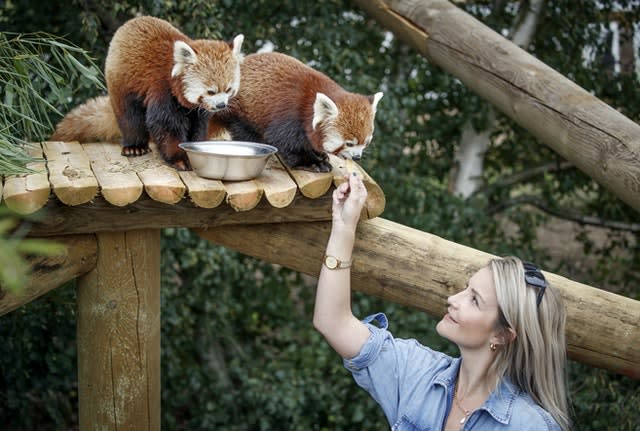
93,121
275,105
147,101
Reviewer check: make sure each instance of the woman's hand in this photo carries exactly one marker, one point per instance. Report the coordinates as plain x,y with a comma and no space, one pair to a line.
348,200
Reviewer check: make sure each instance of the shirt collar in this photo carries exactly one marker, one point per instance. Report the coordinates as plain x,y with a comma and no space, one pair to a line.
499,404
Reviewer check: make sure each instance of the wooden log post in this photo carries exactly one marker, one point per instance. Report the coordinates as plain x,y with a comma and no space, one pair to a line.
599,140
417,269
79,256
119,334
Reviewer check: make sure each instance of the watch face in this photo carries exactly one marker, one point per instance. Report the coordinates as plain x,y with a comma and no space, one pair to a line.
331,262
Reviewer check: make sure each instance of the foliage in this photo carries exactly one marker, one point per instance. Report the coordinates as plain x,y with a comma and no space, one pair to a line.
37,72
238,348
15,248
38,387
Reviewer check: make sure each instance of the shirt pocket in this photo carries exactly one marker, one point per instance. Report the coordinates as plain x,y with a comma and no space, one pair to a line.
406,424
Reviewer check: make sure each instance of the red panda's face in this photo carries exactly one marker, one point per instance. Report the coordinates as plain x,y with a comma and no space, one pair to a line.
210,72
347,125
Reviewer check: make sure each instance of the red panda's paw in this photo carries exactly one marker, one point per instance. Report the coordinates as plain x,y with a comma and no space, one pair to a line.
134,151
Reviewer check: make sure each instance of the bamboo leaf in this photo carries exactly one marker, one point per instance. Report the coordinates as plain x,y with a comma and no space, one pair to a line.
40,247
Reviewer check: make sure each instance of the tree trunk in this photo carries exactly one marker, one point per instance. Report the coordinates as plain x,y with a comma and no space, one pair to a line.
470,157
414,268
475,143
581,128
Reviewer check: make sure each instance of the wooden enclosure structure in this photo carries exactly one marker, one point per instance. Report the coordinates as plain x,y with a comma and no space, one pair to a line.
108,212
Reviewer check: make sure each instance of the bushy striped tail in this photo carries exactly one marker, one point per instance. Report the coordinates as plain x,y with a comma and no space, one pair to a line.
93,121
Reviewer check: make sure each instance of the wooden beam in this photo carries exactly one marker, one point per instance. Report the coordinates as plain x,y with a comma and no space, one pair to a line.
417,269
599,140
79,257
119,334
146,213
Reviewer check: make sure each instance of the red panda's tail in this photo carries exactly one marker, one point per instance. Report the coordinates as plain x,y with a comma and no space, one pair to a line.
93,121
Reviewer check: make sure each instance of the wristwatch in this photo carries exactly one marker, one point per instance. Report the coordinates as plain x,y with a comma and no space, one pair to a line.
333,262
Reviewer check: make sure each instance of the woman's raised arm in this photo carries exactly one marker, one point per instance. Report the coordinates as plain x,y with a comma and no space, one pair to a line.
332,313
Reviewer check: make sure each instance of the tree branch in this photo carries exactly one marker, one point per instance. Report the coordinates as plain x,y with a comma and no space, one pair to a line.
526,175
565,214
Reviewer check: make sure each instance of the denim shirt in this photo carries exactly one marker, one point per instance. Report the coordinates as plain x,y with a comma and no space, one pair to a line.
414,385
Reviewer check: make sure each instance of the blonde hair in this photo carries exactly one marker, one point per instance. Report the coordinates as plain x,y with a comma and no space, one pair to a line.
536,359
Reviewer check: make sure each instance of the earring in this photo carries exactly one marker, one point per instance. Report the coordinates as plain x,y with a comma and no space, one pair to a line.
492,347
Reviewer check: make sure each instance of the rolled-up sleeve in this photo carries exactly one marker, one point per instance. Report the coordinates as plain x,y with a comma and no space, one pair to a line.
374,343
391,369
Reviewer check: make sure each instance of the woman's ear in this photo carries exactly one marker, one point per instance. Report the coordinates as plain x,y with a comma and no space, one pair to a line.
504,337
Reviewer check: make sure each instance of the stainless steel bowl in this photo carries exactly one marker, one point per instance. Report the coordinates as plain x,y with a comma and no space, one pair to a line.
228,160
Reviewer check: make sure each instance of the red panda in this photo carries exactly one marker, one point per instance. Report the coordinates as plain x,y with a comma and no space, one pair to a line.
299,110
162,86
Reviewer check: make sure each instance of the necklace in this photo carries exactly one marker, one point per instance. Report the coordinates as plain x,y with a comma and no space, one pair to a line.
462,409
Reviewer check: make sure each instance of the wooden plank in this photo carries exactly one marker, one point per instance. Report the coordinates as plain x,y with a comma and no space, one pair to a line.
79,257
161,182
279,188
417,269
243,195
100,216
119,183
311,184
27,193
70,173
375,196
203,192
118,334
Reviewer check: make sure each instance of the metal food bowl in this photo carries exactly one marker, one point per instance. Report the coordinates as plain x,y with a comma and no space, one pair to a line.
228,160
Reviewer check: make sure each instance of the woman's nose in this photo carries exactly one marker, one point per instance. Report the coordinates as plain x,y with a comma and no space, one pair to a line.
450,301
453,299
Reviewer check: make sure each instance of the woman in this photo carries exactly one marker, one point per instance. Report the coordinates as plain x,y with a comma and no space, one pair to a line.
508,324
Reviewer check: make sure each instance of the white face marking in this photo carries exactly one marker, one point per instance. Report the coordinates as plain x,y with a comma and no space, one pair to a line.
332,138
355,151
333,142
193,89
235,85
325,112
211,98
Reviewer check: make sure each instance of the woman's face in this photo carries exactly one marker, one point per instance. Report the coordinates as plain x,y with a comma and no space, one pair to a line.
472,314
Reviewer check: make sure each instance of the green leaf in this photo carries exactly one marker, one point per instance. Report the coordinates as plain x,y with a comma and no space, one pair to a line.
40,247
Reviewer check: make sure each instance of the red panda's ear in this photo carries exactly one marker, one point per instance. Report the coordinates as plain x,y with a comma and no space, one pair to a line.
183,55
323,109
236,45
374,100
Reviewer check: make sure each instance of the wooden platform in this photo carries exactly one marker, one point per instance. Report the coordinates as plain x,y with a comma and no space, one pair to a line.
95,176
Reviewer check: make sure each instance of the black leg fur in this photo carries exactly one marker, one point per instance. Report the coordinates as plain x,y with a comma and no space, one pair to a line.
288,137
242,131
170,124
135,136
294,146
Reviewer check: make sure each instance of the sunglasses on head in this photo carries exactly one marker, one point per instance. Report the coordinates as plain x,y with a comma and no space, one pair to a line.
534,278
